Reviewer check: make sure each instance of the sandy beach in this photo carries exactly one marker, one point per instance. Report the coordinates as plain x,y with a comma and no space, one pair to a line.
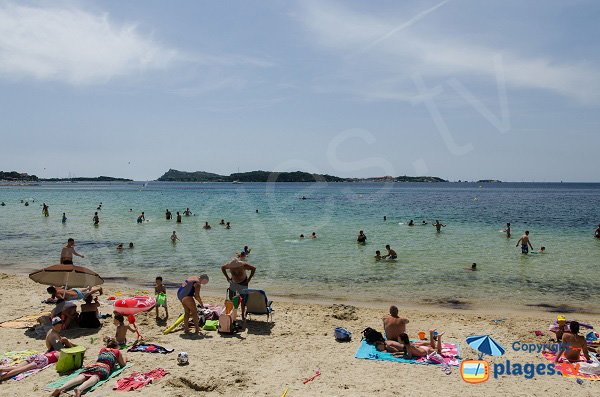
267,358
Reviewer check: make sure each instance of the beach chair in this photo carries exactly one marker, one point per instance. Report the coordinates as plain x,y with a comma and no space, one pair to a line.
255,301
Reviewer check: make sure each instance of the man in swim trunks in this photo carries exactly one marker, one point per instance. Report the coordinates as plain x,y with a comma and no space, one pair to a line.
239,279
394,325
391,253
66,255
178,217
72,294
168,215
573,345
438,226
525,243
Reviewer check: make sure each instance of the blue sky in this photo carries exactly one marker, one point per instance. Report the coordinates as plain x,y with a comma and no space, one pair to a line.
462,89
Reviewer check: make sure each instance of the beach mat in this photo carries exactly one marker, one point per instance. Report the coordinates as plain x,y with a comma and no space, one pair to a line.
24,322
450,352
569,371
64,379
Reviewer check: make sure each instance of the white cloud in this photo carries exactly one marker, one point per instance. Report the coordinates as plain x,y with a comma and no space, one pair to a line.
379,57
74,46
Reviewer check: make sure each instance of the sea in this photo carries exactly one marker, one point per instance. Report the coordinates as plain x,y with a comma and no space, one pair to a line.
431,268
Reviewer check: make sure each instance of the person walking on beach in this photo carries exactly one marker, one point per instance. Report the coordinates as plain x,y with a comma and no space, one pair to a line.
96,219
168,215
45,210
391,254
394,325
525,243
438,226
66,255
362,238
178,217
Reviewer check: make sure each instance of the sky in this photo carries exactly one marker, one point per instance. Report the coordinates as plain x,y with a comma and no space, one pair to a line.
460,89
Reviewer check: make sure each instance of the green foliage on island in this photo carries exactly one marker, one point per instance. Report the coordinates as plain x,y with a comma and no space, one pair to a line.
17,176
268,176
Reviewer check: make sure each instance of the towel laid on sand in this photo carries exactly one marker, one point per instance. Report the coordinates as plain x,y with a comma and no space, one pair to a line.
24,322
138,380
585,370
450,352
150,348
64,379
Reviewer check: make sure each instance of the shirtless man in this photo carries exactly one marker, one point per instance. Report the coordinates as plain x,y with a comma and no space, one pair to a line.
239,279
55,342
66,255
525,243
168,215
438,226
187,212
391,254
573,344
72,294
362,238
96,219
394,325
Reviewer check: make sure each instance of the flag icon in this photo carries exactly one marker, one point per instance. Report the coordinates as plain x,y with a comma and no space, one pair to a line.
475,371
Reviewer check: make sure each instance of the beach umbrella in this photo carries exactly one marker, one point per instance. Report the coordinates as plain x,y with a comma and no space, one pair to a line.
67,275
485,344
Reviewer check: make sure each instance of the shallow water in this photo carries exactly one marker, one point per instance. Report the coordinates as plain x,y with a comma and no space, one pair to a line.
430,268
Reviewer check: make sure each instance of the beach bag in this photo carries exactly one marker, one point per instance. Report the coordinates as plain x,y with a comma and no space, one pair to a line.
371,336
211,325
225,324
342,334
70,359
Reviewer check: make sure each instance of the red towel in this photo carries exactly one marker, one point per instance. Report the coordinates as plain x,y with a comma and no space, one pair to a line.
138,380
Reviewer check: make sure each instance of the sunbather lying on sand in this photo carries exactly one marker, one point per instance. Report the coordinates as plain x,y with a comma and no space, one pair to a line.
71,294
35,361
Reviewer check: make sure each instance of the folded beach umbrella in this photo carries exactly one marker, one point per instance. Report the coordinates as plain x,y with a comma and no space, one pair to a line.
67,275
485,344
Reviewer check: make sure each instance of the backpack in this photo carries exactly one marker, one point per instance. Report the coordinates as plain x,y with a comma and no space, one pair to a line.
371,336
342,334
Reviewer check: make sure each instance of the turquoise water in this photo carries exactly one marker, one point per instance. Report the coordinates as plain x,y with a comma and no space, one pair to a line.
430,267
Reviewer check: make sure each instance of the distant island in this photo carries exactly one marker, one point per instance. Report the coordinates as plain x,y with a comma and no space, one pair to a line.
14,176
489,181
268,176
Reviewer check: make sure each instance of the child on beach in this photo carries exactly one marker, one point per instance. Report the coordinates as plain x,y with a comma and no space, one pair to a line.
161,296
121,334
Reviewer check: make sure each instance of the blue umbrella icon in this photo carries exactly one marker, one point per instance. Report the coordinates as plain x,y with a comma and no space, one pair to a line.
485,344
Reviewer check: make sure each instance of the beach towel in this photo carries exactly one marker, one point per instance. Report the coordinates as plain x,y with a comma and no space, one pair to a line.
24,322
64,379
14,358
150,348
450,353
138,380
570,371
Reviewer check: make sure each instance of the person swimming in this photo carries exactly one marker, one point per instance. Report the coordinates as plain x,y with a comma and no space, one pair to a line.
222,222
302,237
473,267
313,235
206,226
362,238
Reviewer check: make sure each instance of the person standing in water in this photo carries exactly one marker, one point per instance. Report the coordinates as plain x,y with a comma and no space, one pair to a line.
525,243
96,219
187,212
362,238
391,254
168,215
66,255
507,230
174,237
141,218
64,218
597,231
178,217
45,210
438,226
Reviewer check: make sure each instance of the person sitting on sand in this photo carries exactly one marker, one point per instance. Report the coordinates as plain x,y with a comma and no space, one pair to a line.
105,364
174,237
67,311
391,254
362,238
66,255
89,313
393,325
55,342
239,279
71,294
525,243
378,256
206,226
438,226
422,349
560,327
573,345
190,290
121,332
33,362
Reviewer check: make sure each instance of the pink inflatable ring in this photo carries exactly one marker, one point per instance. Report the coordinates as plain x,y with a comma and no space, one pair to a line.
134,305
